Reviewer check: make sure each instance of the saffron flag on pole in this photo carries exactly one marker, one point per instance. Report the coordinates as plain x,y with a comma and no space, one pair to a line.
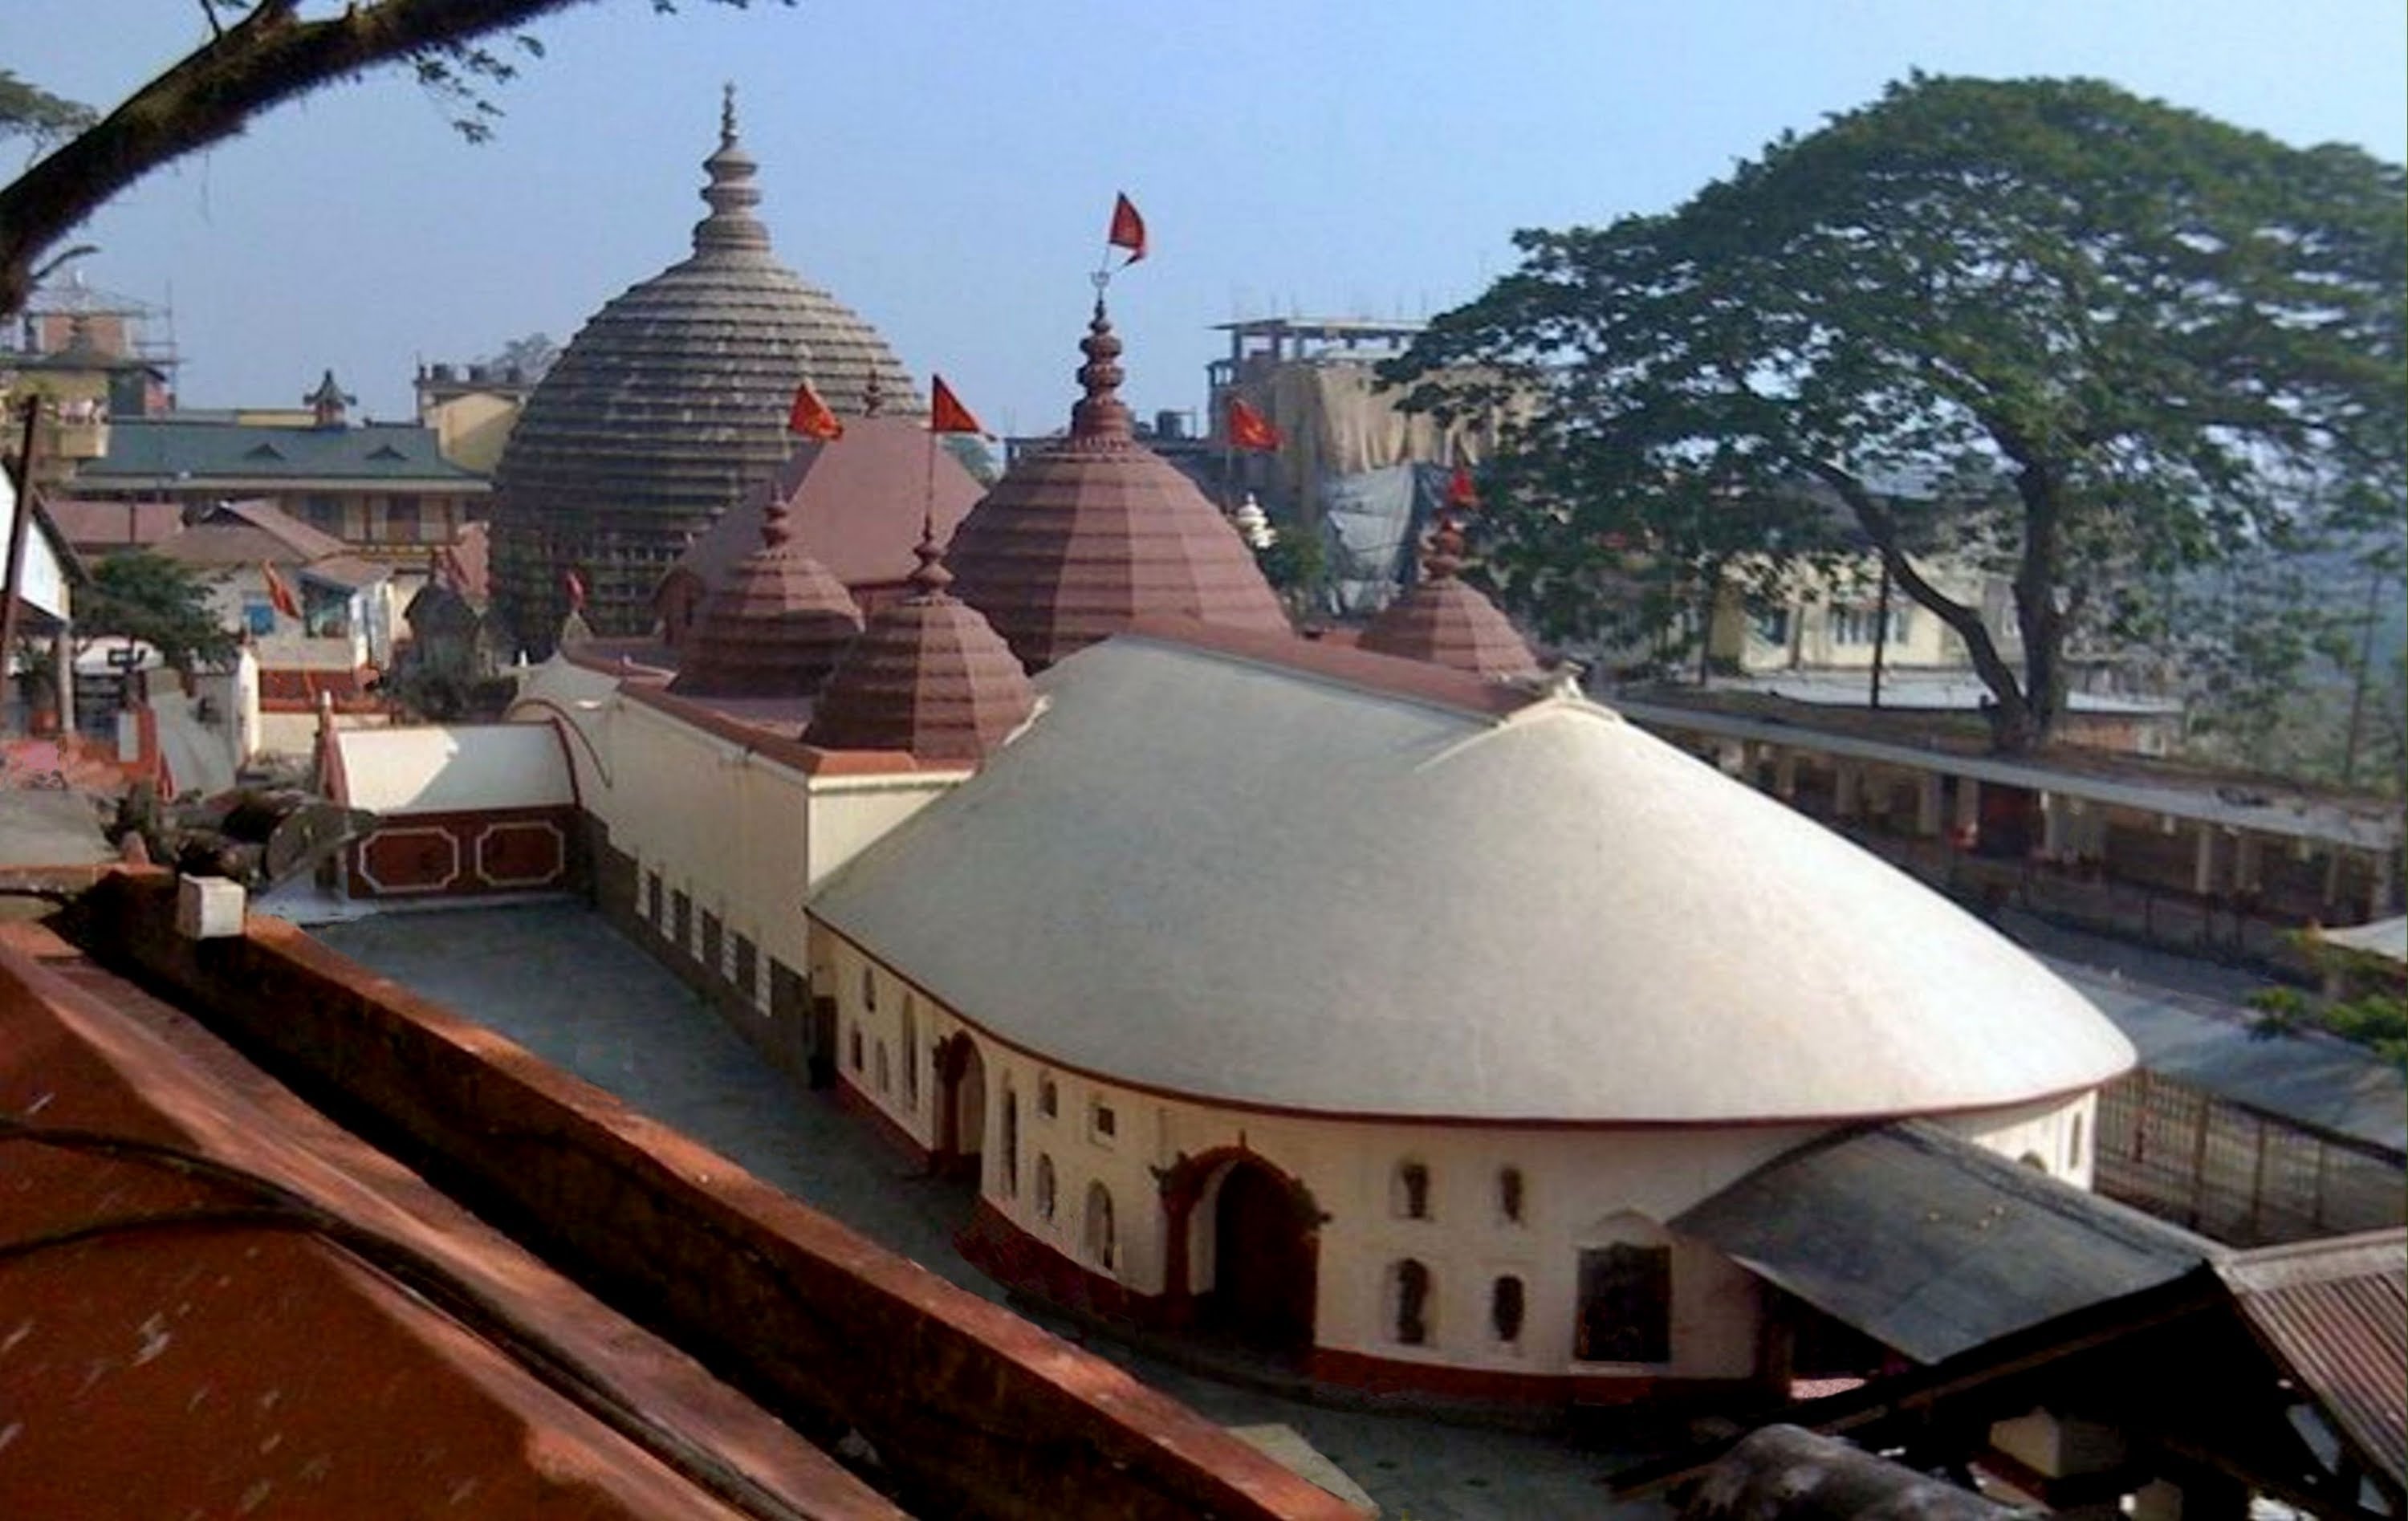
946,413
574,584
1249,428
811,418
1460,491
279,592
1127,230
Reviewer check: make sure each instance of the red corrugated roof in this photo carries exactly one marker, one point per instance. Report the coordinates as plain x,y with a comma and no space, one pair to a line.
2335,1315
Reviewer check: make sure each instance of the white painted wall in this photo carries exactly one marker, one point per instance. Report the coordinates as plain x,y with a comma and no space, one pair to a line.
1582,1188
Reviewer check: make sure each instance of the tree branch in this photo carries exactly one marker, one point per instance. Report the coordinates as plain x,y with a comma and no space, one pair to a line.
267,58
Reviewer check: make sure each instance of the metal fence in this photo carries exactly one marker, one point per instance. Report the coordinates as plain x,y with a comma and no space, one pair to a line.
2235,1174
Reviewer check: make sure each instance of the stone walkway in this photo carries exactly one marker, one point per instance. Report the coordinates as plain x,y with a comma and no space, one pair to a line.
554,978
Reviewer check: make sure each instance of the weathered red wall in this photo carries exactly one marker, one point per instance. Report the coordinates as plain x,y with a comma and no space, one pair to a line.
977,1410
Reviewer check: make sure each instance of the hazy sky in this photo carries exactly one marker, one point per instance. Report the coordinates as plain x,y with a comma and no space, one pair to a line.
947,170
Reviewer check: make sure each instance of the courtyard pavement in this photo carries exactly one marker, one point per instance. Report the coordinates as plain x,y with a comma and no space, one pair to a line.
557,979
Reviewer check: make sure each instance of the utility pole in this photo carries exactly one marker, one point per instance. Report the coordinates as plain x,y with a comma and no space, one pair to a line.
21,526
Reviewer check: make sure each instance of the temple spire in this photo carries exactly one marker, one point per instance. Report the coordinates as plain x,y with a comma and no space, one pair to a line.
730,194
1444,555
777,529
1101,414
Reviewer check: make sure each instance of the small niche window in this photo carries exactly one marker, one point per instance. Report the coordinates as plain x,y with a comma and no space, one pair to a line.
911,1049
885,1069
852,1042
2073,1146
1408,1191
869,989
1409,1294
1044,1186
1008,1142
1508,1195
652,899
1102,1123
1505,1307
681,918
1101,1248
1049,1098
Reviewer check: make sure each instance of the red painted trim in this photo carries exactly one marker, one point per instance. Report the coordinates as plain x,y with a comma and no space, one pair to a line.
776,745
1000,1249
464,831
1248,1106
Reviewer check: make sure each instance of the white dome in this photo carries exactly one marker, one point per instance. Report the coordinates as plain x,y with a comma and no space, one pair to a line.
1261,884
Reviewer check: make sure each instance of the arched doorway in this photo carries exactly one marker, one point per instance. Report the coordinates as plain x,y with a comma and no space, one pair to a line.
1265,1260
961,1107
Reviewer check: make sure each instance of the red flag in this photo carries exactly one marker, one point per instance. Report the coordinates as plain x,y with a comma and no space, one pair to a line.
1128,229
810,417
575,585
1249,428
946,413
279,592
1460,491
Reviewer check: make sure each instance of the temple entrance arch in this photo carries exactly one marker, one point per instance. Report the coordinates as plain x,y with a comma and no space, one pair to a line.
1256,1231
961,1107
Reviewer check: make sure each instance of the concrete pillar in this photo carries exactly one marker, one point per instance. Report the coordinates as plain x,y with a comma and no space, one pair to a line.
1927,805
1847,782
1784,773
1968,805
63,658
2056,814
2245,872
2203,868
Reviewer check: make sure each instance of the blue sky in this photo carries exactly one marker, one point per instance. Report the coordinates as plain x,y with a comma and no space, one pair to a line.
946,168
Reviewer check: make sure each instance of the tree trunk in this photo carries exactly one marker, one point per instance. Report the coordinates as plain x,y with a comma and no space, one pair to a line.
2038,580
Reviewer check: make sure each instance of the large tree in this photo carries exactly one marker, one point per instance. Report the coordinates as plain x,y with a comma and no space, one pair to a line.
2045,325
257,54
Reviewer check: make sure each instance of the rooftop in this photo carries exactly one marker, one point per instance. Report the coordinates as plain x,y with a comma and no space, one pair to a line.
154,452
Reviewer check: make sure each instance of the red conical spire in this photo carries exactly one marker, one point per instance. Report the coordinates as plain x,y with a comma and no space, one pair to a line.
1101,414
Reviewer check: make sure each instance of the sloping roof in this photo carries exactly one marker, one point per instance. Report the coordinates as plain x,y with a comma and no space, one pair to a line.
2311,1079
255,532
2384,938
1972,1247
2334,1314
855,503
454,768
1222,873
152,450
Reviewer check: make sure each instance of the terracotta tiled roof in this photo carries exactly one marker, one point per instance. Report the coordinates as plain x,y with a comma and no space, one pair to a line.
929,675
665,411
1091,533
1447,622
856,500
775,629
256,533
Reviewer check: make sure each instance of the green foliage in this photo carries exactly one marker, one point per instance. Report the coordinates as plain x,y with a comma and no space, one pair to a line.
30,111
1294,563
158,601
2043,328
532,356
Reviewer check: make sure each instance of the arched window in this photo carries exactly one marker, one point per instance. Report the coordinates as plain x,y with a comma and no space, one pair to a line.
1044,1186
1009,1143
869,989
1409,1192
1509,1194
1505,1305
1049,1099
910,1050
885,1072
854,1040
1409,1294
2074,1145
1101,1248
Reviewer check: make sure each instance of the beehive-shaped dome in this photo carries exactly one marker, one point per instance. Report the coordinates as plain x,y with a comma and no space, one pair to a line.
1091,533
1445,621
775,630
665,410
928,676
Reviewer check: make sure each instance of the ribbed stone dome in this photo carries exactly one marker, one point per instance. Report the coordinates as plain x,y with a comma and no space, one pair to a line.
665,410
1091,533
1445,621
928,676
